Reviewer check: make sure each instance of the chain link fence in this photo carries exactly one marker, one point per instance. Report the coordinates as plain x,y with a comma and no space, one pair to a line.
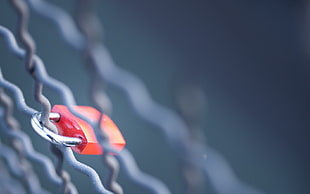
32,165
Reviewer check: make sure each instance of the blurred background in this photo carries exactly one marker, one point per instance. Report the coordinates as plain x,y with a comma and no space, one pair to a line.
248,61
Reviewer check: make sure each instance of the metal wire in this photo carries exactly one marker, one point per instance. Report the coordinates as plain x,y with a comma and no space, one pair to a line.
66,186
192,176
21,169
88,27
27,174
22,11
12,129
23,15
6,180
37,157
23,107
138,177
133,172
103,67
172,126
62,19
11,160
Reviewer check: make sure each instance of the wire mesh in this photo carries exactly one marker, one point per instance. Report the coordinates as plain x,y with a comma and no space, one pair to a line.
196,160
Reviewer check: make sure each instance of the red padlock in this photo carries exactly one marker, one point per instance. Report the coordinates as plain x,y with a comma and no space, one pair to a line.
72,126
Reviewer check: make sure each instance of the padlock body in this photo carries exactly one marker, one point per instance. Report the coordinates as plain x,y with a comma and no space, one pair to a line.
72,126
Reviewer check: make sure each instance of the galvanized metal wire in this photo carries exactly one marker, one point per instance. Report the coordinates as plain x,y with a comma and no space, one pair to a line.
21,168
6,180
26,174
130,167
172,126
20,101
191,152
92,37
8,157
12,129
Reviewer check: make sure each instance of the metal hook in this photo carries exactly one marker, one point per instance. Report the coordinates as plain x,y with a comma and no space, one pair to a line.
49,135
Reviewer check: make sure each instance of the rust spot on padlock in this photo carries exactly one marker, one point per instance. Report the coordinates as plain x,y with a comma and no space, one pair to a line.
72,126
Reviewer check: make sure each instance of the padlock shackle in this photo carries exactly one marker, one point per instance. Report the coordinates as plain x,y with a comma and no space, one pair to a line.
49,135
54,116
